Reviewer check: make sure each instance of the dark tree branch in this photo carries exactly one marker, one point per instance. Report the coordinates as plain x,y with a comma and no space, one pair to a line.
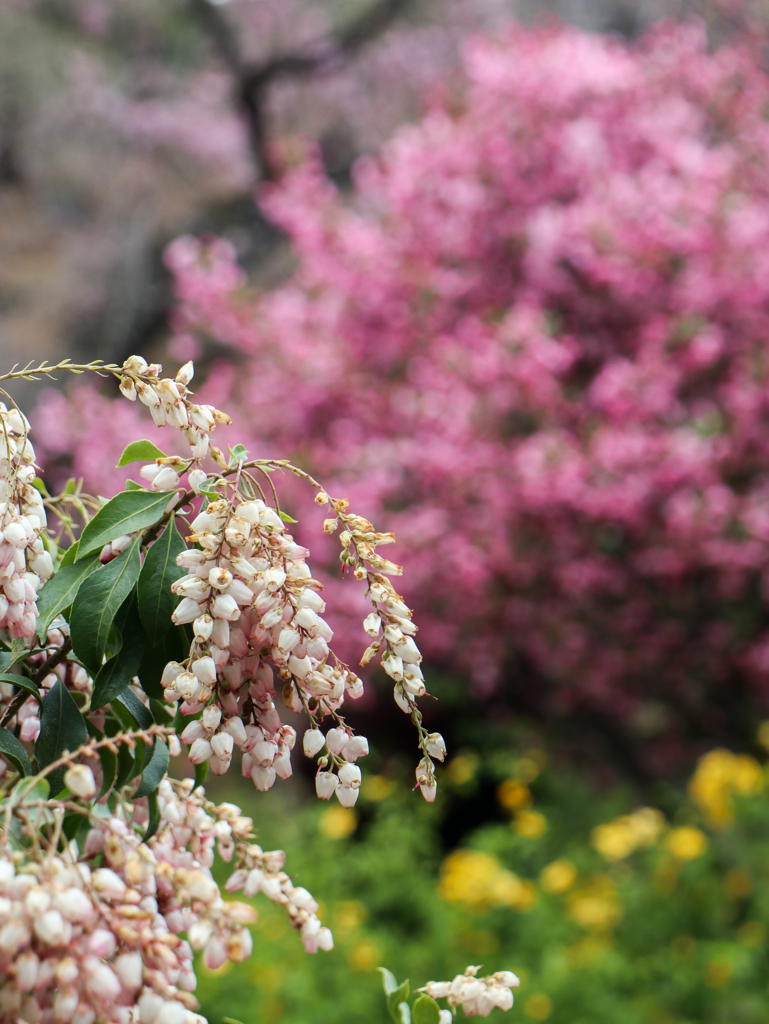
252,81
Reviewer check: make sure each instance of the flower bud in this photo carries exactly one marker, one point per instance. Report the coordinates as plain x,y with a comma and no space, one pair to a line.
312,742
80,781
325,785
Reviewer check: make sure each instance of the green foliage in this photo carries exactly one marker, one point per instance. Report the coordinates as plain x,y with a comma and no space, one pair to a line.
62,727
156,602
15,752
61,589
98,601
140,451
126,513
669,924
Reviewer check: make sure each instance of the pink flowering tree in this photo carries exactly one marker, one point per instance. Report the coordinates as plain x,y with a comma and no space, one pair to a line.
533,342
171,621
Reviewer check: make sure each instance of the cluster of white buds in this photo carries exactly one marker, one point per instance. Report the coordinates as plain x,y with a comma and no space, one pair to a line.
390,625
477,996
168,403
94,935
254,607
25,564
263,872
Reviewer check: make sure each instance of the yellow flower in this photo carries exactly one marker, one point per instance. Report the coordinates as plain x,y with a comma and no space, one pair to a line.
513,794
538,1007
719,774
717,973
558,877
595,906
377,787
619,838
365,955
687,843
462,768
338,822
479,881
530,824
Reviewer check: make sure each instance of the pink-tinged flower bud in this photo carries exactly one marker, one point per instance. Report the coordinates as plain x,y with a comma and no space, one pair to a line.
313,600
172,1012
306,618
408,651
103,984
166,480
191,586
42,564
211,718
349,775
187,611
202,628
14,591
52,929
325,785
65,1003
313,741
186,373
372,624
220,578
127,388
147,395
197,478
80,781
149,472
355,748
220,635
108,884
170,673
274,579
426,780
262,777
174,746
241,592
187,685
236,729
74,905
215,954
204,670
149,1004
230,706
436,746
226,607
393,666
16,536
264,752
299,667
129,968
200,751
26,967
222,744
282,765
336,739
194,731
269,719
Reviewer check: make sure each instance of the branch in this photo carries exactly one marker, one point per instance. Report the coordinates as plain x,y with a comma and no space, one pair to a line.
252,81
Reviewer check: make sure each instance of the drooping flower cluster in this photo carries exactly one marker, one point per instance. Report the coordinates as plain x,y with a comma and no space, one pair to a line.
25,564
94,935
476,996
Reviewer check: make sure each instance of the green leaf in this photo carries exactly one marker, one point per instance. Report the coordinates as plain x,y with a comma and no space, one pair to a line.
11,748
61,590
237,454
201,773
23,682
114,677
140,713
154,822
286,517
125,765
425,1011
97,603
107,758
140,451
153,774
128,512
156,602
174,646
62,727
131,485
231,1020
69,555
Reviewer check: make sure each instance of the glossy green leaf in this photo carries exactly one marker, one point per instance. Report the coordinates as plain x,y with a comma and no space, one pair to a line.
61,590
153,774
114,677
156,602
174,646
128,512
141,714
286,517
97,603
154,822
69,555
131,485
140,451
11,748
125,765
201,773
23,682
425,1011
62,727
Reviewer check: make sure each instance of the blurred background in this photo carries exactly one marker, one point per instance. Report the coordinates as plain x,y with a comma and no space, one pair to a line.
497,270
